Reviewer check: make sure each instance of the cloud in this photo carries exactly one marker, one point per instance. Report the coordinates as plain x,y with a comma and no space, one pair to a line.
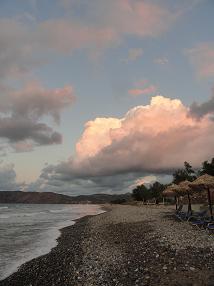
21,112
8,178
16,49
26,45
33,101
202,58
147,180
151,89
154,139
19,130
203,109
129,17
133,54
161,61
142,88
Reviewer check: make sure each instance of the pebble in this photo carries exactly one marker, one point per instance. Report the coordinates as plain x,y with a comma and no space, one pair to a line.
88,255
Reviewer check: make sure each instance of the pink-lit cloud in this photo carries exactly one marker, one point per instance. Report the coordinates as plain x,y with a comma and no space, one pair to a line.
129,17
151,89
34,101
146,180
25,46
202,58
142,87
156,138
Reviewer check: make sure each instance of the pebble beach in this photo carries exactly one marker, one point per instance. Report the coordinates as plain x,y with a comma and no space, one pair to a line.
127,245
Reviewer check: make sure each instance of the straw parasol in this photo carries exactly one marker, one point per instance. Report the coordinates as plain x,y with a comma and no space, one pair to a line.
170,191
204,182
184,189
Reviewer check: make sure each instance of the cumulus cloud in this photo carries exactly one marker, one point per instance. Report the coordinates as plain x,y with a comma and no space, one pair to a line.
202,58
21,113
8,178
151,139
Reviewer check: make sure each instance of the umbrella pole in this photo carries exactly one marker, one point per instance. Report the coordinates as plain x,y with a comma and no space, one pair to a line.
176,205
189,205
210,203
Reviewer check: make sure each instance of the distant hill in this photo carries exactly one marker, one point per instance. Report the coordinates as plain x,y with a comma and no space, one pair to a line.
18,197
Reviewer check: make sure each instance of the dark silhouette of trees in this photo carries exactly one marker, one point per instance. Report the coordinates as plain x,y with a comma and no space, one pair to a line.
207,168
141,193
187,173
156,190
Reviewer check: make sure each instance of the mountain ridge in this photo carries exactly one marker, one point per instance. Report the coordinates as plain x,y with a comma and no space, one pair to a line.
19,197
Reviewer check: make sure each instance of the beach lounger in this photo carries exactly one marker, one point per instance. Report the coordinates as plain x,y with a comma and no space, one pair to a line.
198,222
210,227
184,215
198,215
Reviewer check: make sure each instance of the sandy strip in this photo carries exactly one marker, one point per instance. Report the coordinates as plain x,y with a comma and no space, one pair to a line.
128,245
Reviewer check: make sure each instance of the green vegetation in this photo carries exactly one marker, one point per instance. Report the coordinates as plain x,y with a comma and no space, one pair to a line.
154,191
207,168
184,174
141,193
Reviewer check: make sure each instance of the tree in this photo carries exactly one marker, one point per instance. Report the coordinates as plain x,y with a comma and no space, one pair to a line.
187,173
141,193
207,168
156,190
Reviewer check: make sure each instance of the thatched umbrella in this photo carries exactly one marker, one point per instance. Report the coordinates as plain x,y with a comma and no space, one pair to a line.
170,191
184,189
204,182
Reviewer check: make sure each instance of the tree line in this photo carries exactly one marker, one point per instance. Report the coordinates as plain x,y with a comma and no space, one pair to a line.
155,190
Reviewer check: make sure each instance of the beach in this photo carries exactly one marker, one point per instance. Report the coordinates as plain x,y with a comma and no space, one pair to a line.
127,245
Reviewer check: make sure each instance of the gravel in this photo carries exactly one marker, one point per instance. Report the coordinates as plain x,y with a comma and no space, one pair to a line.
129,245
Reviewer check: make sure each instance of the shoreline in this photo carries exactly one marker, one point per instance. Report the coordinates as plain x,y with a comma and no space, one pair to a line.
123,246
44,250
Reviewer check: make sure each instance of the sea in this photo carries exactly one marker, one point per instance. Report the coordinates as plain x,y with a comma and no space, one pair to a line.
30,230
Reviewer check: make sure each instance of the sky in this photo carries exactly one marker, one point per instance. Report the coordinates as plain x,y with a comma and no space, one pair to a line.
99,96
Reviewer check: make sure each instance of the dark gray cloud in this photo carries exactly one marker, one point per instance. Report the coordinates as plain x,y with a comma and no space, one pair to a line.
200,110
22,113
117,183
16,130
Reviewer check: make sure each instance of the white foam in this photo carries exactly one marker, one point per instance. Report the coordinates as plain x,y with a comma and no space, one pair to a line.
2,208
48,239
4,216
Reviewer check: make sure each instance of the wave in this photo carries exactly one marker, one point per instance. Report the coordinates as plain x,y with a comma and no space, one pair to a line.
45,239
30,214
57,211
2,208
4,216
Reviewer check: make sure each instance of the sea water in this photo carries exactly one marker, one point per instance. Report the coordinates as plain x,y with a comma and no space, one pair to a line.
30,230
